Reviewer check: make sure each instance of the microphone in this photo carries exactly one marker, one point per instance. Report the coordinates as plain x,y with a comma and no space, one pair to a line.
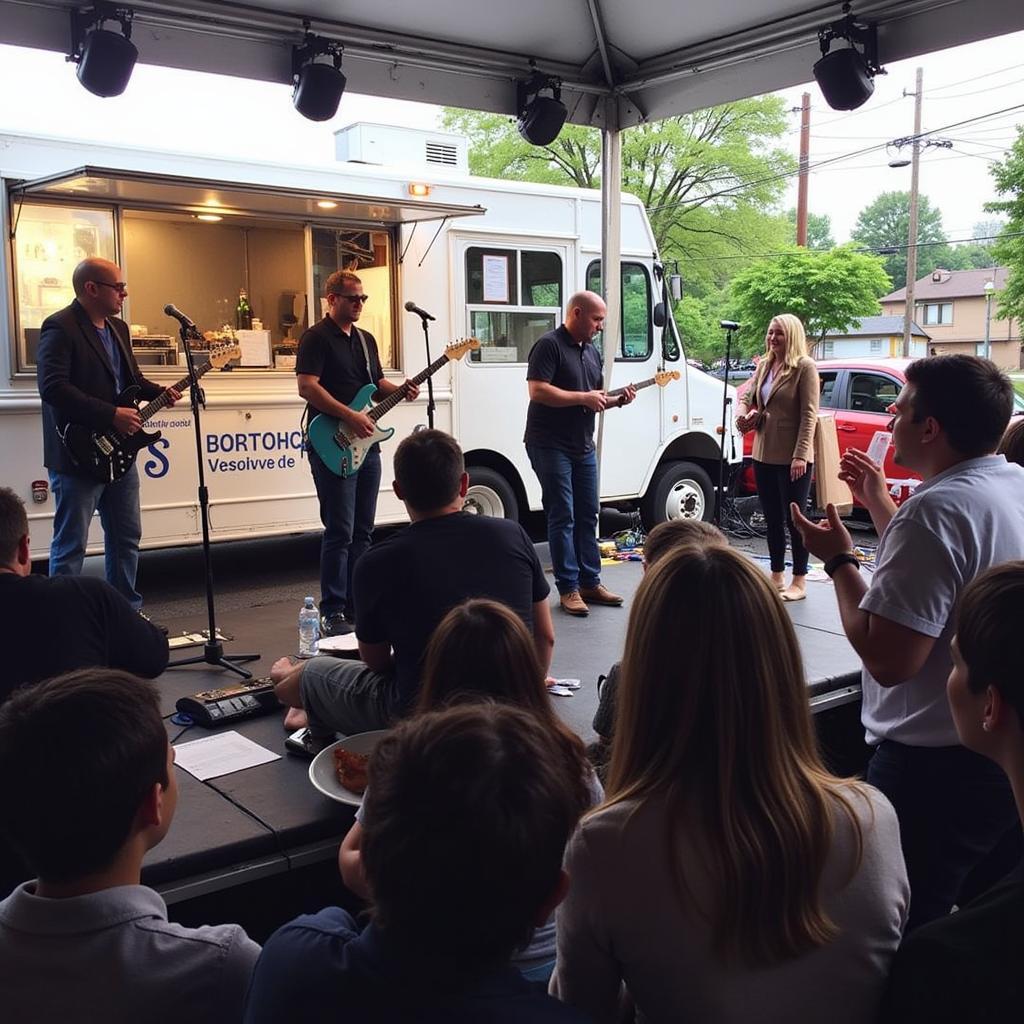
728,325
411,307
171,310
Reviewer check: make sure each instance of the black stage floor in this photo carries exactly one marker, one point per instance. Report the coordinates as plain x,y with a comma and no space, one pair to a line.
268,820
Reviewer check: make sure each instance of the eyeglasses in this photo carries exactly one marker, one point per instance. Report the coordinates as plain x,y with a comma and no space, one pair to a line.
351,298
118,286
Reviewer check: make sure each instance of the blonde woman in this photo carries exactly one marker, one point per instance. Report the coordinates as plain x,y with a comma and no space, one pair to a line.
782,406
728,877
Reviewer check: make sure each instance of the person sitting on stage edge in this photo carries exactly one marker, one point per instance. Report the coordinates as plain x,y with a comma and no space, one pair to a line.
87,787
481,650
665,537
728,877
405,586
967,965
566,383
50,625
781,405
955,807
467,816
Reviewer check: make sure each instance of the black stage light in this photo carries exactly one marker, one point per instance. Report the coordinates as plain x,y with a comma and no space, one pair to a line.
540,117
846,76
318,87
105,59
844,79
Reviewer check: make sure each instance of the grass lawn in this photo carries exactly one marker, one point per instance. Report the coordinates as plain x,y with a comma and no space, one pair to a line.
1018,383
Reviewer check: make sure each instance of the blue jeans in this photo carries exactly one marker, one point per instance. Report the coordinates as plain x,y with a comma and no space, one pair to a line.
77,499
954,806
348,507
569,492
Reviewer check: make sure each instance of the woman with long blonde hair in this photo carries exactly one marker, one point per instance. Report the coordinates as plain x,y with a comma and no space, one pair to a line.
782,406
728,876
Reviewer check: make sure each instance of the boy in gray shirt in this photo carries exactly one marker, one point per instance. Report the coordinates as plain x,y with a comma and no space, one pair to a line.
87,787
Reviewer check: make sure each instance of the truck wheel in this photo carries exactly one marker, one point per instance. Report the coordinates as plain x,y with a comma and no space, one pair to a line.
489,494
678,490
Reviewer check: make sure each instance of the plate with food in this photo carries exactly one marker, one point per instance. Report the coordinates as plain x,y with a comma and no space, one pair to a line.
339,771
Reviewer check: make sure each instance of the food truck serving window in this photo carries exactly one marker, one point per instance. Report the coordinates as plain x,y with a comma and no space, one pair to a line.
49,243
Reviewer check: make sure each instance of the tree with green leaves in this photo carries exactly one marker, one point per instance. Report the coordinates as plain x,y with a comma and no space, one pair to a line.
819,229
885,223
1009,250
829,291
710,179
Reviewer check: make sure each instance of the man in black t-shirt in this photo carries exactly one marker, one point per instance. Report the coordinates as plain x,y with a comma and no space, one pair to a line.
566,382
405,585
50,625
335,360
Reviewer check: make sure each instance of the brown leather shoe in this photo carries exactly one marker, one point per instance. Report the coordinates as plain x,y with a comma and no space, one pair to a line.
573,603
600,595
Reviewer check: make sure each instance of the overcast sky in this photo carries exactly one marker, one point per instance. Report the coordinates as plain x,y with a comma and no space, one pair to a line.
241,118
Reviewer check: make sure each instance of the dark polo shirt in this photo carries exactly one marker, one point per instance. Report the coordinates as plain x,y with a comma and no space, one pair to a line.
337,360
557,359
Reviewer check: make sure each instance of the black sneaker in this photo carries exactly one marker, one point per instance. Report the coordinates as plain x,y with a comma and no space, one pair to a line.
335,625
159,625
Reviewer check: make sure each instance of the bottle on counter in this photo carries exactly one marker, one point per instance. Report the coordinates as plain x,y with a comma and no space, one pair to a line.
243,312
309,629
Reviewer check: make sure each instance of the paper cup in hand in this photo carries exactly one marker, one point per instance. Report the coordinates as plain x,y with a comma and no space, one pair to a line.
879,447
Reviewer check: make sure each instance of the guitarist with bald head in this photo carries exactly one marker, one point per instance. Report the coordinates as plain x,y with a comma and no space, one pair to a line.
84,363
336,360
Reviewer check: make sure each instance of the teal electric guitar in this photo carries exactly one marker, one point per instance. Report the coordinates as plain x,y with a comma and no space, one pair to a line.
331,439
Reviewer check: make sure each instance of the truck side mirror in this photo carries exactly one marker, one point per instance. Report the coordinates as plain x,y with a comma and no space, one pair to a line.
659,315
675,287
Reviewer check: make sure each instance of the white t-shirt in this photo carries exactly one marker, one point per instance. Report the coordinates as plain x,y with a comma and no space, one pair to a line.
957,524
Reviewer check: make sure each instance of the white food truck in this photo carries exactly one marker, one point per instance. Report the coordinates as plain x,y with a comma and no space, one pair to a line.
490,259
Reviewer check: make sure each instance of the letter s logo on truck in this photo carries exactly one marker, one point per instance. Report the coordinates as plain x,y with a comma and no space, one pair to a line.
158,465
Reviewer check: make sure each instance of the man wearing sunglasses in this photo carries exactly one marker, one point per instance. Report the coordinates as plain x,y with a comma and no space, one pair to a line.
335,359
85,360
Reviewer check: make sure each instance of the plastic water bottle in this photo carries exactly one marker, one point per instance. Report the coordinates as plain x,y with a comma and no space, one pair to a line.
309,629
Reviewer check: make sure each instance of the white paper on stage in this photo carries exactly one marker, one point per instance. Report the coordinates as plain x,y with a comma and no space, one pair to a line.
222,754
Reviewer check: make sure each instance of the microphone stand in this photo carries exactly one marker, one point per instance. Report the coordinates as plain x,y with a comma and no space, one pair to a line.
430,379
726,402
213,651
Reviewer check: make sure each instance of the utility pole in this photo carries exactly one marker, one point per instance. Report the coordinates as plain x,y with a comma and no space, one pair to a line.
805,152
915,160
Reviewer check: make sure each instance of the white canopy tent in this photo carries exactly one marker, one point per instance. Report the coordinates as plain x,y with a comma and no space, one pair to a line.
620,62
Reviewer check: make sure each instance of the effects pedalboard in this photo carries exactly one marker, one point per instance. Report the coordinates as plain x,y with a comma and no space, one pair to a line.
230,703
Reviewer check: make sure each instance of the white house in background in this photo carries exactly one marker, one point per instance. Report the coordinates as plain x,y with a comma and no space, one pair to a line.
873,337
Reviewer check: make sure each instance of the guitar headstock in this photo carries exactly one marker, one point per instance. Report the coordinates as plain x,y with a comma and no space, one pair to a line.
662,377
457,349
222,352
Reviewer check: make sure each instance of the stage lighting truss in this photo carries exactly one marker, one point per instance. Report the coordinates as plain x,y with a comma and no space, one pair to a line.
854,32
318,86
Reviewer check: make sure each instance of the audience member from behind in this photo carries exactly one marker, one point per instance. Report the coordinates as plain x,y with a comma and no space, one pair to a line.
1012,444
467,816
52,625
663,538
87,787
968,965
955,807
481,649
728,877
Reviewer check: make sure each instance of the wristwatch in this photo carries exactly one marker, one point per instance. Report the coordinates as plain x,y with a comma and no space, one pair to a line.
843,558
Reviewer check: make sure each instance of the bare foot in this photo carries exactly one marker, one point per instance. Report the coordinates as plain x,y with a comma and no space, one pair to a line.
779,581
281,668
295,719
796,591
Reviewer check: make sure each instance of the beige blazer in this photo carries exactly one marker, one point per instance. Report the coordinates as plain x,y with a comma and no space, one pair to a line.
790,415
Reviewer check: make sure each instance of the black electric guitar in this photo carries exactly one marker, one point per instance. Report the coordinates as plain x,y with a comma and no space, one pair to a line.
106,455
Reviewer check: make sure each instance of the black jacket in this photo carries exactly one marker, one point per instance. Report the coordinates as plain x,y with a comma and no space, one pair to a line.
76,380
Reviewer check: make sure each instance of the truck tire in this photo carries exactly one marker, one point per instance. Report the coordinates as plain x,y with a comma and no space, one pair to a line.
678,490
490,494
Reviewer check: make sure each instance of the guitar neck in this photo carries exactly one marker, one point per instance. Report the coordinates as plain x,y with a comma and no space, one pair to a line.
388,403
164,398
639,386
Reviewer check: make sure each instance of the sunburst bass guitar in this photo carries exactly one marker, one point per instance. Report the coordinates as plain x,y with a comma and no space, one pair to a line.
343,453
